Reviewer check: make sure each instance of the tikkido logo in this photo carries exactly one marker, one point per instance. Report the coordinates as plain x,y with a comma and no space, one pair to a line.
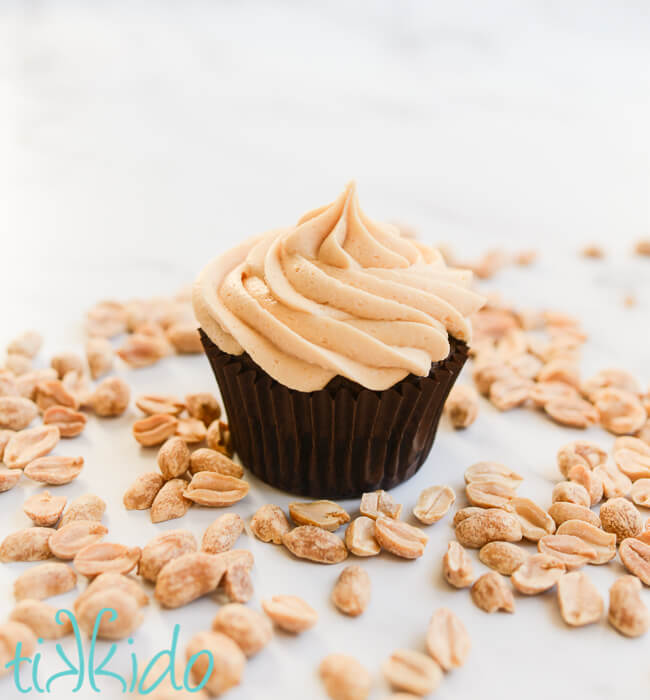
88,669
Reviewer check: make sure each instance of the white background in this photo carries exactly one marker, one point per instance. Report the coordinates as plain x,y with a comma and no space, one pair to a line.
137,140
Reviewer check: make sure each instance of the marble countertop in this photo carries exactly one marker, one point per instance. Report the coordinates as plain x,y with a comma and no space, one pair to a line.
140,139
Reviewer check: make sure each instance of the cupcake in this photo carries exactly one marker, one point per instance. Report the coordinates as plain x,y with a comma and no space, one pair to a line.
334,343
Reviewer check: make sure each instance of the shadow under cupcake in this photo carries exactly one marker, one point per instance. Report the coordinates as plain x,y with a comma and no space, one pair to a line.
334,344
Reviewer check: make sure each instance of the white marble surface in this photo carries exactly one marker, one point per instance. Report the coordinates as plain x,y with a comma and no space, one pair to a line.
138,139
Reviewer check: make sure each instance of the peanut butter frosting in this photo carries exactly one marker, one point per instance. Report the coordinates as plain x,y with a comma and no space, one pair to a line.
337,294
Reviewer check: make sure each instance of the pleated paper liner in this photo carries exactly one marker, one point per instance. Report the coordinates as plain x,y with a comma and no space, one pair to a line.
337,442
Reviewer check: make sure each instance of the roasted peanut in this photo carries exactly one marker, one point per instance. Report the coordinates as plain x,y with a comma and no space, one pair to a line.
70,539
627,612
215,490
490,525
70,423
203,406
325,514
400,538
447,640
580,602
143,491
30,444
222,534
434,503
351,592
173,458
188,577
28,544
162,549
44,581
344,677
315,544
44,509
170,501
457,566
290,613
54,470
249,629
270,524
491,593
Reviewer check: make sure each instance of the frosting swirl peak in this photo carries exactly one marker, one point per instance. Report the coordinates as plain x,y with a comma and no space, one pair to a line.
338,294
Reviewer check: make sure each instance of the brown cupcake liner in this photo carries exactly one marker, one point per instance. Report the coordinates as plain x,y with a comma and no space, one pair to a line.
340,441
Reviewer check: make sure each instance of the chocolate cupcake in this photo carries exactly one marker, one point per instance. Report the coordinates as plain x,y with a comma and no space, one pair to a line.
335,344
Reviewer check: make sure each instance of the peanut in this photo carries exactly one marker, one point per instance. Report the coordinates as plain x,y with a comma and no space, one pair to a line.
537,574
315,544
162,549
185,338
400,538
43,509
462,406
114,581
191,430
154,429
143,491
227,658
222,534
580,602
70,423
111,397
27,344
153,404
218,438
16,412
457,566
44,581
53,392
270,524
491,593
70,539
173,458
635,556
41,618
188,577
170,502
203,406
490,525
27,445
290,613
325,514
344,677
379,503
215,490
619,516
627,612
434,503
128,615
249,629
360,537
447,640
29,544
412,671
351,592
206,460
99,355
12,634
503,557
88,506
66,362
101,557
54,470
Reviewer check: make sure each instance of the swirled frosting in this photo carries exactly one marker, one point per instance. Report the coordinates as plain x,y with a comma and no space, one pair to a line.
337,294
